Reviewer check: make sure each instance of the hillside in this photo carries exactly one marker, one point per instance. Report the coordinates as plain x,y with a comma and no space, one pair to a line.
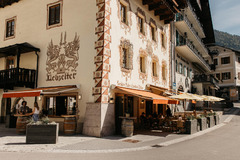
227,40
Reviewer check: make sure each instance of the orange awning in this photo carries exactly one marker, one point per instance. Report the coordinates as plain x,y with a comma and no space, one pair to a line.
157,99
39,91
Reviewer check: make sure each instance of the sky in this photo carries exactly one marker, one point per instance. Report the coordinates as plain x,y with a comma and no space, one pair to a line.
226,15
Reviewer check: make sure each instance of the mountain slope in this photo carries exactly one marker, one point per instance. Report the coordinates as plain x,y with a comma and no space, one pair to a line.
227,40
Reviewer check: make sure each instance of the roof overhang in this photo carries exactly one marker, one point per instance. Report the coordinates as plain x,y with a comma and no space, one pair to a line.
17,48
165,9
4,3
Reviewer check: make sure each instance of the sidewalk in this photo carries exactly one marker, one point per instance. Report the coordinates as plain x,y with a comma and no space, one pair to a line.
11,142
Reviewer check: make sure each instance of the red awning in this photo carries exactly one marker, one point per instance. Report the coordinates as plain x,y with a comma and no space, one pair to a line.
39,91
157,99
34,93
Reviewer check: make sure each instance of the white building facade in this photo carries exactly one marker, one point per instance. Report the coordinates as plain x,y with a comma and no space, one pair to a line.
78,52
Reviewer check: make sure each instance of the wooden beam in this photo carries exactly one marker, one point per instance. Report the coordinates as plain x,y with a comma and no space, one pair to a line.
144,2
165,17
160,12
155,6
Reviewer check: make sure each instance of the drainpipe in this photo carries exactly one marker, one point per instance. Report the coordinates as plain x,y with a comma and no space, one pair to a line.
36,76
172,54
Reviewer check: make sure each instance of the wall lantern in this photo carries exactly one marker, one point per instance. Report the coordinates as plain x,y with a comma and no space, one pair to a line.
142,101
40,98
79,96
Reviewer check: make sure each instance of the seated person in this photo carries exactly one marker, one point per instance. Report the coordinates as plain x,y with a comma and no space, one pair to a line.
194,113
24,108
179,118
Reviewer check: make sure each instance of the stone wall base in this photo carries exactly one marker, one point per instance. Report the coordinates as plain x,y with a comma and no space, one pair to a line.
99,120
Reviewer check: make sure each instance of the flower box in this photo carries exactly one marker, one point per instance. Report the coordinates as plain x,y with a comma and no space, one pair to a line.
210,121
42,133
191,126
202,123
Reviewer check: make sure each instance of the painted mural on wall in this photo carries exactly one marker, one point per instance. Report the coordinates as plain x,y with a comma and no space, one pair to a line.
62,59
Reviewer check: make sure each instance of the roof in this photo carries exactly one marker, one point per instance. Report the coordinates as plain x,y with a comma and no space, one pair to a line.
165,9
4,3
22,48
217,45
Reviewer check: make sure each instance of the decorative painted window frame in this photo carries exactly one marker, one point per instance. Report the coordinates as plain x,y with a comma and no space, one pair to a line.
5,30
153,24
143,76
127,45
141,14
125,26
155,60
61,13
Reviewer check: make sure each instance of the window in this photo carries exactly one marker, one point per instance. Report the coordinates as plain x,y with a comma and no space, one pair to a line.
164,76
142,64
154,69
126,59
126,55
153,29
61,105
180,68
141,24
226,76
176,66
184,70
215,61
55,14
225,60
238,59
10,63
123,13
163,40
10,27
218,76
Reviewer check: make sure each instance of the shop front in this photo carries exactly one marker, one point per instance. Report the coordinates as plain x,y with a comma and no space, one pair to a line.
133,103
58,103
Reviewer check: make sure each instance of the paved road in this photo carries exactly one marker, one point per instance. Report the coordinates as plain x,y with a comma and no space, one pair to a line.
221,144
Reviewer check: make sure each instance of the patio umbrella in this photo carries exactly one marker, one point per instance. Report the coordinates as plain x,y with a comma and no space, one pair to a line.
212,98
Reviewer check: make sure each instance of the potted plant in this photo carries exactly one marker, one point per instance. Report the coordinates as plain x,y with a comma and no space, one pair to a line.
191,125
42,132
202,121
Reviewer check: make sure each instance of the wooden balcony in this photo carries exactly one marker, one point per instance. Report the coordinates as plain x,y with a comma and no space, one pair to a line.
17,77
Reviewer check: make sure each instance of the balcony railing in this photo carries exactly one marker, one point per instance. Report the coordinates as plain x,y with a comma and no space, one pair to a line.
17,77
206,78
195,16
181,41
181,17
